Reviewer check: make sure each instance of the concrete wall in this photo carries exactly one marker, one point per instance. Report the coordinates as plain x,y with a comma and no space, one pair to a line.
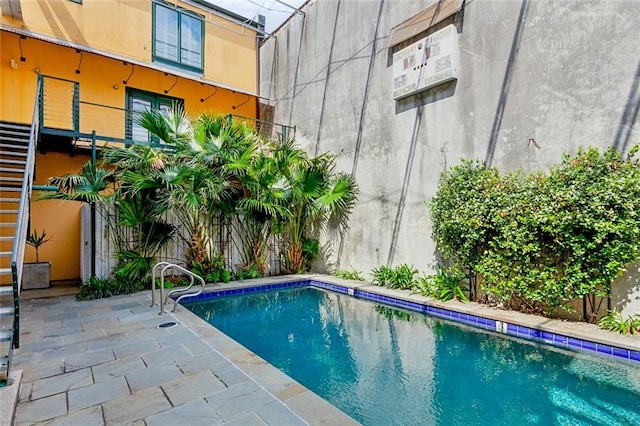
565,73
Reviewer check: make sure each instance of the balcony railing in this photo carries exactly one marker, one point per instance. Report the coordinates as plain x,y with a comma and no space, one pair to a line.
64,111
268,129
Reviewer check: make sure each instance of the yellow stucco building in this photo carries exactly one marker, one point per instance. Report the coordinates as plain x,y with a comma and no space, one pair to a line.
97,63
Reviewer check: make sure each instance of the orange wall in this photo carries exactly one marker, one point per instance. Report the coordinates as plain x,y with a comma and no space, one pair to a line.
231,57
60,219
124,27
98,78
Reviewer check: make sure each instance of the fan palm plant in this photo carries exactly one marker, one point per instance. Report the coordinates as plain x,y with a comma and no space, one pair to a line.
263,204
210,152
196,201
91,185
125,187
144,176
319,200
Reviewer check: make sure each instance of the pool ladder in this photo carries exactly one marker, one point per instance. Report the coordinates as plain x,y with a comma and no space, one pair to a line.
164,267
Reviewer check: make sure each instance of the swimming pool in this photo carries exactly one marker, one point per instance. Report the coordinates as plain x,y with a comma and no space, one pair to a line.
387,366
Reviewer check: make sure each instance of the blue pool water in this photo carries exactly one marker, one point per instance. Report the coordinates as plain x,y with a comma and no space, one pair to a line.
385,366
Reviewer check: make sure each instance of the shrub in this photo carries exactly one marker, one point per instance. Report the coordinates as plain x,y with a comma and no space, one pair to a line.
445,285
212,270
212,277
133,268
541,240
248,273
401,277
381,275
461,210
96,288
615,321
124,285
426,286
349,275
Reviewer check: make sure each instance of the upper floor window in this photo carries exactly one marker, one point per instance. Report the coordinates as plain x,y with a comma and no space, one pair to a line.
178,37
139,102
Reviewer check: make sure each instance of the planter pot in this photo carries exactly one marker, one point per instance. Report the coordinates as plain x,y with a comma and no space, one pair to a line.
36,275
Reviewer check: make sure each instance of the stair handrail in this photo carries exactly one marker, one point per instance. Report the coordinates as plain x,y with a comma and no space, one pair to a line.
20,236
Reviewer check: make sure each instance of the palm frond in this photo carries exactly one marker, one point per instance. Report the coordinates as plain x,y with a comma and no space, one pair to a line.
157,235
341,197
172,127
88,186
252,206
137,157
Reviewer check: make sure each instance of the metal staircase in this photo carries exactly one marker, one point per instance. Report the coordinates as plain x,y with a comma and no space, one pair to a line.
14,151
17,165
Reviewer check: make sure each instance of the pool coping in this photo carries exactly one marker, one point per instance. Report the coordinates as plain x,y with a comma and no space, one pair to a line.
575,336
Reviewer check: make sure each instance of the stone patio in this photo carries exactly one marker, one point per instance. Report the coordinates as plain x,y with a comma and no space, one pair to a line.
107,362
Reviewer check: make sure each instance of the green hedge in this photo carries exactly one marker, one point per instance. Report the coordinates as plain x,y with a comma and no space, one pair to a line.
540,240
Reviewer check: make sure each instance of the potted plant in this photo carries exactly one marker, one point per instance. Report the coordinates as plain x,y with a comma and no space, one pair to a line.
36,275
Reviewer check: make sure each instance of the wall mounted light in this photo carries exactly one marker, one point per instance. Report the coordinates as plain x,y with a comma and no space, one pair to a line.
215,90
79,63
22,58
242,103
115,87
173,85
126,80
37,70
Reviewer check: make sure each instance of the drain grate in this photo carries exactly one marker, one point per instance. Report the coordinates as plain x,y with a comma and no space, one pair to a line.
167,325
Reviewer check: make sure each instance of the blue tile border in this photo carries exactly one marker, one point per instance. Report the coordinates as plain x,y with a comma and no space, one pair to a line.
550,338
244,290
328,286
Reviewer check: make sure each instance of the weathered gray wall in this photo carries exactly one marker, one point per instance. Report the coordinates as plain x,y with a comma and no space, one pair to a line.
565,72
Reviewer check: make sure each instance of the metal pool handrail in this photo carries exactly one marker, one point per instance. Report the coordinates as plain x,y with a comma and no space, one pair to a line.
153,281
163,300
183,290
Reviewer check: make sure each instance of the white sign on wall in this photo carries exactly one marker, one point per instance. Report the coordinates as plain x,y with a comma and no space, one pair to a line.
428,62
